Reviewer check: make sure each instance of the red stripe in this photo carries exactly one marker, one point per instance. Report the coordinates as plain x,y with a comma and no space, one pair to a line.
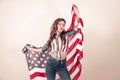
81,54
58,79
71,59
79,32
81,21
73,45
78,74
74,67
36,74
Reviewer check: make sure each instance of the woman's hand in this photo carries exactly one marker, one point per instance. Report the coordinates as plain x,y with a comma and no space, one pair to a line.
32,49
76,10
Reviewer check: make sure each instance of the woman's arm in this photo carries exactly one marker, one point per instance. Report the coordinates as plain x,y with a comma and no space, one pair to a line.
37,49
72,32
76,10
33,49
45,47
75,29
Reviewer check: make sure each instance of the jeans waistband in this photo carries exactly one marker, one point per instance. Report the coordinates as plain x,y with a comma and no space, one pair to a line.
51,58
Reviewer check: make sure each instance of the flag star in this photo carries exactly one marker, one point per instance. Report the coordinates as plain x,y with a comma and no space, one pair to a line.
43,55
30,55
32,62
34,58
28,61
38,61
36,64
30,67
37,55
42,65
47,57
41,59
45,61
27,54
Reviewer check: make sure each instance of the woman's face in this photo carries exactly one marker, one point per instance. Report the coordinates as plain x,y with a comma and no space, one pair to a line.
61,26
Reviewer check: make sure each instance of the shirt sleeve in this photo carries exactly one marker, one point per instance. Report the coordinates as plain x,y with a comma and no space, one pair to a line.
44,47
72,32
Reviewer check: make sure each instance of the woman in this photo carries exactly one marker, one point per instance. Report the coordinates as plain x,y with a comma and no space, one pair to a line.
57,46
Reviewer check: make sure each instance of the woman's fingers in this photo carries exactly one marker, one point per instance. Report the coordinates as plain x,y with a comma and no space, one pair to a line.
76,10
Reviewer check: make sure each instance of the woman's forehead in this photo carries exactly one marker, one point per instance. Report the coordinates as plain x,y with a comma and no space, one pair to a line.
61,22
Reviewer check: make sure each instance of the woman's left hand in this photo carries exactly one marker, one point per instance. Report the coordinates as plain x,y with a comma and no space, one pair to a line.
76,10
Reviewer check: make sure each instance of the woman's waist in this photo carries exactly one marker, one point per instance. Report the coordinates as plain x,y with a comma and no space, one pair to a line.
62,55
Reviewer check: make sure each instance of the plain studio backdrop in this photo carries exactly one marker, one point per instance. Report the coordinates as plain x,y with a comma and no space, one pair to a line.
29,21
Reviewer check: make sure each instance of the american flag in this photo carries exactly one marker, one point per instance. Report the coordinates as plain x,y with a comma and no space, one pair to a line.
36,62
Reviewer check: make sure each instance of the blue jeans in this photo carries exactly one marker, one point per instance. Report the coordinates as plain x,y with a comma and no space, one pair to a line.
53,66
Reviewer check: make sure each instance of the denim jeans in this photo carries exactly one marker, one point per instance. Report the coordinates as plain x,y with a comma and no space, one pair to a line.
59,66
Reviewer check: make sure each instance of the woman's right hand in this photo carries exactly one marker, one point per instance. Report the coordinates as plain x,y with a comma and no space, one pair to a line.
39,50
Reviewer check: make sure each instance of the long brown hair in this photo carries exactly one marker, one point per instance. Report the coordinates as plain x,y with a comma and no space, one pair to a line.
53,32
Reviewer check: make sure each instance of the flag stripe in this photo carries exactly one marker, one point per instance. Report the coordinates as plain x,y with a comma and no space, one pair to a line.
75,74
32,76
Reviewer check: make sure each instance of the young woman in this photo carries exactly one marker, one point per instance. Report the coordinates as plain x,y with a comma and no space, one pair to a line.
57,46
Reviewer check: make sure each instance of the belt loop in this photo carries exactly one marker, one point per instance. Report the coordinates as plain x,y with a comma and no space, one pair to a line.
61,61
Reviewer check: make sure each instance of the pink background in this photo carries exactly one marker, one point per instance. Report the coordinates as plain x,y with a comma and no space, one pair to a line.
29,21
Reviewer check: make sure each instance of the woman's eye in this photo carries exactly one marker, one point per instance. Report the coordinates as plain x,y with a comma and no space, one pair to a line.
59,24
63,25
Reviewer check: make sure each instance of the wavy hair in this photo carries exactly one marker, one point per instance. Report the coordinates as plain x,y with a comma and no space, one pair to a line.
53,32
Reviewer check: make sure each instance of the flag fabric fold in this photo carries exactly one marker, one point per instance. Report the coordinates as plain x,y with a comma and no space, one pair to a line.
36,61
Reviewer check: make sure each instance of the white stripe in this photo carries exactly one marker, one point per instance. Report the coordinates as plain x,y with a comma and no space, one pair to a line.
79,47
59,43
37,70
52,46
75,22
80,26
57,76
81,61
40,78
55,46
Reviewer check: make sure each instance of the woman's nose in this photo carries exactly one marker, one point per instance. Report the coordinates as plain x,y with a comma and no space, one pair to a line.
62,26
